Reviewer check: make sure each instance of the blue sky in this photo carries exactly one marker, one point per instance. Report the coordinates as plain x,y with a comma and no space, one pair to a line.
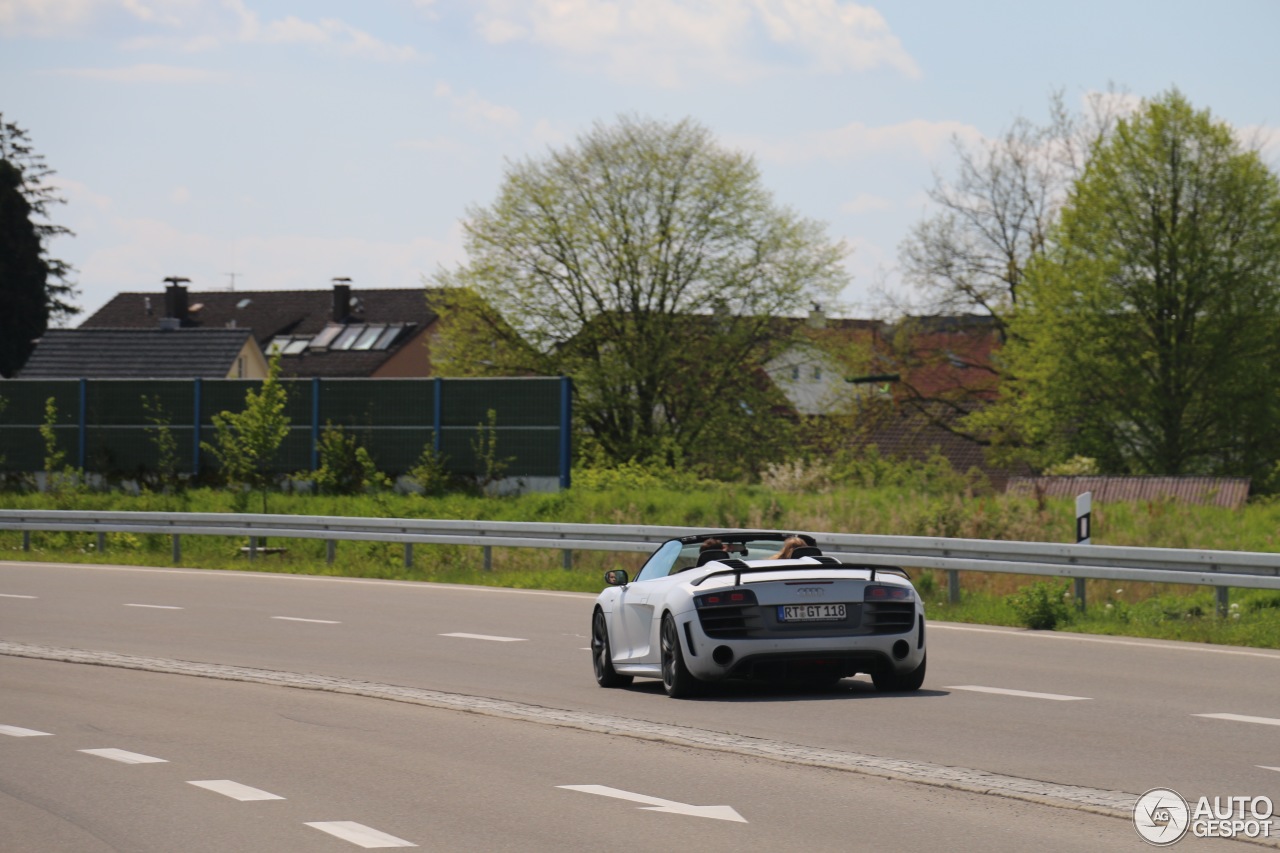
291,142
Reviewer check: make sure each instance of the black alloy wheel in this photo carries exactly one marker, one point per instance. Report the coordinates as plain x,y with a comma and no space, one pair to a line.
602,657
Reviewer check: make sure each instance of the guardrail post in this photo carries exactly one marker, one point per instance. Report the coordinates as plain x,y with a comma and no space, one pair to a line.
1084,535
408,555
330,550
26,540
177,549
253,548
488,558
567,558
1223,596
953,586
102,541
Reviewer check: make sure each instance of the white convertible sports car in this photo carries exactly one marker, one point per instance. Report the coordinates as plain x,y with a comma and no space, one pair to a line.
725,606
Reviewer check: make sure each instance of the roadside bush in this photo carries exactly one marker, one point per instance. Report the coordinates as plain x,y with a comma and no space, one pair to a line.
346,468
1041,606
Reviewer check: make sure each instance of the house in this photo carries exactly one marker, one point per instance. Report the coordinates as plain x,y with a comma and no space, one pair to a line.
340,332
154,353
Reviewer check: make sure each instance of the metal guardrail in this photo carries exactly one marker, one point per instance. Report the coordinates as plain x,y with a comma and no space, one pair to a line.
1221,569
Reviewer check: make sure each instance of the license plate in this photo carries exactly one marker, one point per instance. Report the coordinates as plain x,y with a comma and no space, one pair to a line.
810,612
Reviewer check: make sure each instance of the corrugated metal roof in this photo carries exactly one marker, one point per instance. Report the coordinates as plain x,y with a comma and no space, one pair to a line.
1229,492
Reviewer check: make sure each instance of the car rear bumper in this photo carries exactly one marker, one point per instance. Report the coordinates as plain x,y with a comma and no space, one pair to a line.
717,658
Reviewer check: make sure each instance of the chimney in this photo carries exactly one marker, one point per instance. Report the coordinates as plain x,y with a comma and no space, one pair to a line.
341,299
175,299
817,319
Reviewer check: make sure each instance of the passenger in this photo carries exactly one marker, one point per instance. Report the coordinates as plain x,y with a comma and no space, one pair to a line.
711,545
788,545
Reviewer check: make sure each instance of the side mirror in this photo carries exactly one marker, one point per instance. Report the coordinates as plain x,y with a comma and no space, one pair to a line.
616,577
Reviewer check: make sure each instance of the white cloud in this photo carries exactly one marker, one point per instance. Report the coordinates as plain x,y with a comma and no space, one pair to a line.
180,195
145,73
866,203
476,111
857,140
190,25
664,41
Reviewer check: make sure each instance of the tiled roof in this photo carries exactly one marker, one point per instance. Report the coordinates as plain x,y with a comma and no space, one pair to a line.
910,435
135,353
281,313
1229,492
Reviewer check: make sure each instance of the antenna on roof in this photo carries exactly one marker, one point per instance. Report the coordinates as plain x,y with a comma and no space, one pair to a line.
233,275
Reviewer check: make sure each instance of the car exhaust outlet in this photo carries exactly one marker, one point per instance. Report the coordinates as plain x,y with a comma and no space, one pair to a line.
722,655
901,649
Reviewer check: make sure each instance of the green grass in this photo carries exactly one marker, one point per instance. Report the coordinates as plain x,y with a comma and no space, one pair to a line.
1135,609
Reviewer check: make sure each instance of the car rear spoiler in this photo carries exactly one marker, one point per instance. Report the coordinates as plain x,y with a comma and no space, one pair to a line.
738,568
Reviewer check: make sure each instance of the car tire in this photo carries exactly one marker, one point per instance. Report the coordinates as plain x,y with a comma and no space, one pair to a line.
889,680
602,655
676,678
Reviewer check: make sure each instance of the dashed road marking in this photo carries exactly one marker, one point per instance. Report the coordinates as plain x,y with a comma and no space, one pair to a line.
1027,694
359,834
18,731
125,757
157,606
1241,718
1264,767
235,790
300,619
1111,641
11,595
1114,803
487,637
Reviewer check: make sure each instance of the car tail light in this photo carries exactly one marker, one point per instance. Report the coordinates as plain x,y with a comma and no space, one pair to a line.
888,593
727,598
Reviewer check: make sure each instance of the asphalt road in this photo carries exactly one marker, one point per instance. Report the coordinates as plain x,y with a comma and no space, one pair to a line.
1036,715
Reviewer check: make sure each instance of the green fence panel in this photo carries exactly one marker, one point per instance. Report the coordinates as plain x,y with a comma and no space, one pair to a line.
394,419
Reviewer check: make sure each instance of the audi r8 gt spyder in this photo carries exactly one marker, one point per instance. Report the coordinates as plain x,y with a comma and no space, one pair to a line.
728,605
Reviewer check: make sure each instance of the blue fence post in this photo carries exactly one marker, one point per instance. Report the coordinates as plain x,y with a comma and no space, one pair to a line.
437,415
84,415
195,430
566,430
315,422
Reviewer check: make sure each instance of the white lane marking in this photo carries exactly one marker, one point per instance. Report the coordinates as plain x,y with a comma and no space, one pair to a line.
487,637
1024,693
656,804
11,595
235,790
300,619
1264,767
263,576
18,731
1241,718
358,833
157,606
1081,638
125,757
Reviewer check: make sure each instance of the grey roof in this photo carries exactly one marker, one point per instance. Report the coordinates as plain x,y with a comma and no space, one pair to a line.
275,313
135,353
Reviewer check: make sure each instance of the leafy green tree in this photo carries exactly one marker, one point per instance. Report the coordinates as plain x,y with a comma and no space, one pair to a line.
162,439
346,468
34,287
245,442
1147,336
23,313
988,221
650,265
